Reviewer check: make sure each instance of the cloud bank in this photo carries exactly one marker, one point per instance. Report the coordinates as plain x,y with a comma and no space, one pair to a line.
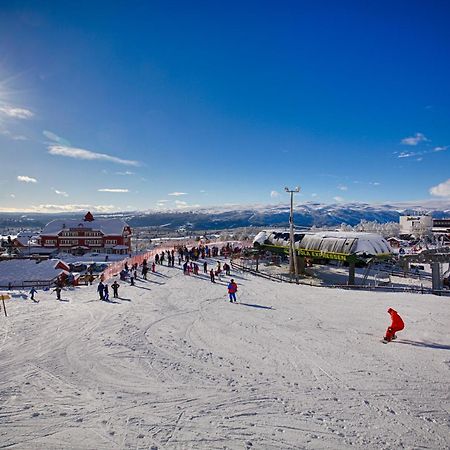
441,190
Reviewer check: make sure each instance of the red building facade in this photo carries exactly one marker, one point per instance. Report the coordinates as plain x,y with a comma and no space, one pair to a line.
88,234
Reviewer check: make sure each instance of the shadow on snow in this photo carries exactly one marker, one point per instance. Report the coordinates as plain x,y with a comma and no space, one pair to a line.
423,344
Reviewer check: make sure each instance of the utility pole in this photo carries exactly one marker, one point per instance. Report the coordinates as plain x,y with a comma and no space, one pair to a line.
292,254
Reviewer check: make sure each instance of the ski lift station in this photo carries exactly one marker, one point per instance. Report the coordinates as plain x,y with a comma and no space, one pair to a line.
343,246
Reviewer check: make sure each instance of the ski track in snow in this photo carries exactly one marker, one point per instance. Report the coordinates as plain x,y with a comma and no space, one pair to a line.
173,365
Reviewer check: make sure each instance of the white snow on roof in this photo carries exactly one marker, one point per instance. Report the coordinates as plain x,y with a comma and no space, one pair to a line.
18,271
110,227
348,242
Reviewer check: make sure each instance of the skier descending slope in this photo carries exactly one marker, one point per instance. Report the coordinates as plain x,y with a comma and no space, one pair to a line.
396,325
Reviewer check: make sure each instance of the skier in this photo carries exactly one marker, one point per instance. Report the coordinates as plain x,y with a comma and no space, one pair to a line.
115,288
211,275
32,292
396,325
232,289
100,288
205,267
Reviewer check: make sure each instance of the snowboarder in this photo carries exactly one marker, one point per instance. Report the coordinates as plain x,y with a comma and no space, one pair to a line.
132,280
211,275
232,289
100,288
205,267
115,288
396,325
32,292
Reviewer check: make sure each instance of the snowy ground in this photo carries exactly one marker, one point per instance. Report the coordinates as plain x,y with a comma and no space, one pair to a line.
172,364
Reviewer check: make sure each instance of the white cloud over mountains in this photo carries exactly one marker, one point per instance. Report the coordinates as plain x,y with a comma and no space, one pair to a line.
80,153
177,194
441,190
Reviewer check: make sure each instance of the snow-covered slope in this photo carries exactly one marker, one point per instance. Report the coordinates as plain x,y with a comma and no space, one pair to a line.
172,364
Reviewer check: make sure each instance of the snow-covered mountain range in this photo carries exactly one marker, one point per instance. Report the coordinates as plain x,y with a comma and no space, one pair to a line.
306,214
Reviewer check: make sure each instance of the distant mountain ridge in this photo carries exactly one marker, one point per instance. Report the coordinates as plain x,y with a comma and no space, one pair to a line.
305,214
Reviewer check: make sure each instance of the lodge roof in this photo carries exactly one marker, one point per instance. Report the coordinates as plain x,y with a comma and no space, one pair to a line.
109,227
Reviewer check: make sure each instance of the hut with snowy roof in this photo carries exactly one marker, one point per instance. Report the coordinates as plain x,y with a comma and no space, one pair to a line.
102,235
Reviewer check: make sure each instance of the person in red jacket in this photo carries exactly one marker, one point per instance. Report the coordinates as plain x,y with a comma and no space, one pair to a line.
232,289
396,325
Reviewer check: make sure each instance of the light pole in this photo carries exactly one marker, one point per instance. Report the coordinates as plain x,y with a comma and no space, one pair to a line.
292,254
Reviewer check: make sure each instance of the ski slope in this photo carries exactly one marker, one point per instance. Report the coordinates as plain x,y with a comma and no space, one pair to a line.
172,364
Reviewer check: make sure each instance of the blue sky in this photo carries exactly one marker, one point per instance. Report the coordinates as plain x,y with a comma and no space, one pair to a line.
150,105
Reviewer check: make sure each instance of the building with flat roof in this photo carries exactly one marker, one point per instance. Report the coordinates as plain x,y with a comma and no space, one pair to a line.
416,225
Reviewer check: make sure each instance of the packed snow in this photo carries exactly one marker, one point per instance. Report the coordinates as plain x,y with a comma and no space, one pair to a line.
171,364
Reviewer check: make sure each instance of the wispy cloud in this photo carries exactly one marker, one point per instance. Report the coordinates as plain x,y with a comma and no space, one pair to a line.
180,203
314,194
419,155
338,199
163,201
55,138
14,137
126,173
12,195
80,153
414,140
73,208
116,190
177,194
342,187
407,154
374,183
26,179
441,190
274,194
16,113
62,193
